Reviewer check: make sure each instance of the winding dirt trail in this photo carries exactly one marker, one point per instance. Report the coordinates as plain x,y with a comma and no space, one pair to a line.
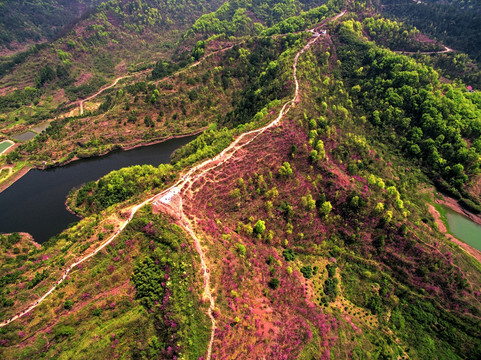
75,264
175,192
446,50
81,102
116,81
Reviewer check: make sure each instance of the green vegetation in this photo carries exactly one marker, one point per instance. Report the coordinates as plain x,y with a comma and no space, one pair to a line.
289,255
161,307
108,41
455,22
162,282
316,235
240,18
37,21
119,186
397,36
425,118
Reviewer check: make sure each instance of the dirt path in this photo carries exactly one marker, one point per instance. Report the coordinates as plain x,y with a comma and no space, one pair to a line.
446,50
183,185
196,173
72,266
81,102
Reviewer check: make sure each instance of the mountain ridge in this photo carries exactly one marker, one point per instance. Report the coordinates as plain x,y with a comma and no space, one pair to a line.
313,236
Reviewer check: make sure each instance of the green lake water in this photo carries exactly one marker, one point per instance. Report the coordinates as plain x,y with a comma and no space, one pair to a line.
464,229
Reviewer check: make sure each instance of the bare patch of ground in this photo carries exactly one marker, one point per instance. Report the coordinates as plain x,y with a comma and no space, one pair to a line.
60,96
121,67
83,78
14,129
16,47
7,90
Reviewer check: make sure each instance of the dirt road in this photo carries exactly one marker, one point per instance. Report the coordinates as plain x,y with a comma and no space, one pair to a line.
446,50
180,188
81,102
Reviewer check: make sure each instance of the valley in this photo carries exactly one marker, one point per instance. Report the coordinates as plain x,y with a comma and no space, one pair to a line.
303,221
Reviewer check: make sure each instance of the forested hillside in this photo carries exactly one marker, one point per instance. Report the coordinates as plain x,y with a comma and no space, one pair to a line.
304,220
119,37
24,22
424,118
455,22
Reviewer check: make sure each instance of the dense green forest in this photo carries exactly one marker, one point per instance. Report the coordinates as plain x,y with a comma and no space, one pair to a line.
397,36
35,21
239,18
428,120
119,186
455,22
316,237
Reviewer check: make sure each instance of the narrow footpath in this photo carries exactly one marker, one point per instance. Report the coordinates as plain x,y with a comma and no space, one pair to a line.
175,191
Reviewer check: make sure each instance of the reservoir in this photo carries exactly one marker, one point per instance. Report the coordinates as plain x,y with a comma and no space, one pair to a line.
36,202
464,229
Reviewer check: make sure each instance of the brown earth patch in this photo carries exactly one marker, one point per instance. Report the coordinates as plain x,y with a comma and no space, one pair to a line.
14,129
455,206
83,78
7,90
16,47
437,218
470,250
60,96
121,67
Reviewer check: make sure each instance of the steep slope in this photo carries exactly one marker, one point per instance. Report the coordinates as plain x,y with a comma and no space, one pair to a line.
120,119
455,22
295,225
119,36
22,23
308,236
411,106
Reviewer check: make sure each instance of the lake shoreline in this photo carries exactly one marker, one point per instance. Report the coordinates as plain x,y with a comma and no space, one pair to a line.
15,177
121,148
67,206
36,203
454,205
451,204
19,174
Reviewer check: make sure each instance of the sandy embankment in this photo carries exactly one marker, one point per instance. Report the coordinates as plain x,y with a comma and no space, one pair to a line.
454,205
14,178
442,228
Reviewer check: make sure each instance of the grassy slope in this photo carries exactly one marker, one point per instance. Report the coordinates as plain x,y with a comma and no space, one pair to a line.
104,315
181,106
116,38
403,288
387,301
